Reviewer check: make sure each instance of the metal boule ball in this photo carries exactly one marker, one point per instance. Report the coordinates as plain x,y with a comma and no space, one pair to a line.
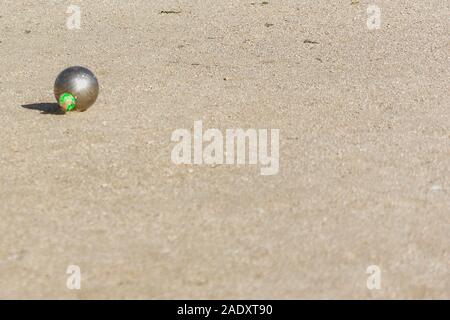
76,88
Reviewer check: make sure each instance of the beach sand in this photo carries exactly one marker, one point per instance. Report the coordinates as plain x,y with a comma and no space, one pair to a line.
364,175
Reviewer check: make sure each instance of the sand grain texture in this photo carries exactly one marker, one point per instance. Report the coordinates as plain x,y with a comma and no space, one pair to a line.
364,150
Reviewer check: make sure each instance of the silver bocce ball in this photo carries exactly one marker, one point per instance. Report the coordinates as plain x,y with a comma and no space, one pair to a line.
76,88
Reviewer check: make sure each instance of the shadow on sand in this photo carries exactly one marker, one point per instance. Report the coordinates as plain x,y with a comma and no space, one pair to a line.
44,108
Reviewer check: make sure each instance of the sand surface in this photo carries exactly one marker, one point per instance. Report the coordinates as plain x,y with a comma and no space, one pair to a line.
364,174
